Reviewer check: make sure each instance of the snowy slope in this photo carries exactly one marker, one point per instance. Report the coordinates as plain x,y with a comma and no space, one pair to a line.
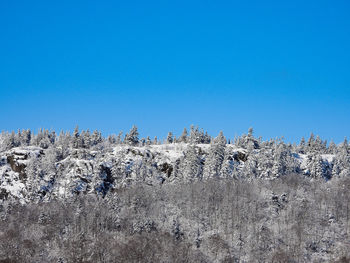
25,173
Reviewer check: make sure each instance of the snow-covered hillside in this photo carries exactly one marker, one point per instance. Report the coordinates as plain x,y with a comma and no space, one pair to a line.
85,198
34,173
26,174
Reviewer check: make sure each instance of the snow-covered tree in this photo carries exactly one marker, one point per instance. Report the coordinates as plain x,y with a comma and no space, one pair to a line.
170,138
96,138
317,167
148,141
132,138
247,141
302,145
229,165
26,137
280,160
76,142
87,139
119,138
215,157
192,164
341,163
10,140
183,137
310,143
332,148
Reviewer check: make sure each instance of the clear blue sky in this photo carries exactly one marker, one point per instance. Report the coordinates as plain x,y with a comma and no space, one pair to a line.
282,67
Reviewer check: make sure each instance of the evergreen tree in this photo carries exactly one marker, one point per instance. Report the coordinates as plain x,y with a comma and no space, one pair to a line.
112,139
302,145
170,138
87,139
142,142
250,132
10,140
332,149
228,165
341,163
132,138
183,137
207,138
32,171
310,142
215,157
317,167
96,137
48,163
119,138
319,145
192,166
282,163
76,138
194,135
344,147
201,136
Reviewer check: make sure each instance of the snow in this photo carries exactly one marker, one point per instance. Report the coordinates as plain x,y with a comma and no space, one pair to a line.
303,159
11,183
75,172
328,157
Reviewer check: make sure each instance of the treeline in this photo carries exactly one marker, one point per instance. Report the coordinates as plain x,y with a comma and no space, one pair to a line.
86,139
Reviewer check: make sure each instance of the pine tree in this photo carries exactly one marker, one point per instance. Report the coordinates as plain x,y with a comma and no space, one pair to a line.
247,141
228,164
344,146
142,142
76,138
341,163
10,140
319,145
316,166
148,141
281,155
18,138
250,132
32,172
87,139
302,145
192,167
310,142
201,136
170,138
48,162
194,135
119,138
207,138
96,137
112,139
183,137
215,157
332,149
132,138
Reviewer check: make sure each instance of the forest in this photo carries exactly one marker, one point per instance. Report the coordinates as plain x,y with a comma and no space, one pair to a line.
83,197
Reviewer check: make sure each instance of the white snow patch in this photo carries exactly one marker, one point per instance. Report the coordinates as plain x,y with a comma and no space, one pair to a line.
328,157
